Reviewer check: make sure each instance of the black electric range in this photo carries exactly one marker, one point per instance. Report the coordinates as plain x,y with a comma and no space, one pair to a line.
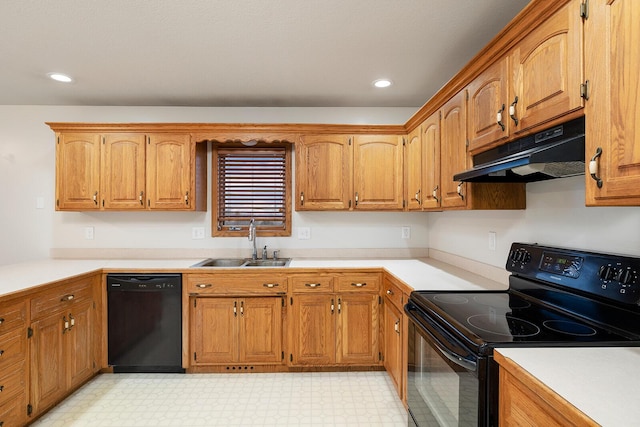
556,297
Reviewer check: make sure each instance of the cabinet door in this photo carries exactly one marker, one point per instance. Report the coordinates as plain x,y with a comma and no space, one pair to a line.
432,194
453,141
357,329
613,111
488,101
78,171
214,332
123,171
323,172
79,342
169,180
260,337
377,177
393,344
313,329
548,70
48,367
414,170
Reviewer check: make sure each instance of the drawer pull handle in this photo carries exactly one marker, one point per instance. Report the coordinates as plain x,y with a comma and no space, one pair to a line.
312,285
1,320
66,324
1,352
204,285
270,285
1,388
390,292
359,285
67,297
73,321
396,326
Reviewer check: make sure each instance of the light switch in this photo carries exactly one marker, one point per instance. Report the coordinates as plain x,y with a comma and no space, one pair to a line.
197,233
304,233
88,233
492,240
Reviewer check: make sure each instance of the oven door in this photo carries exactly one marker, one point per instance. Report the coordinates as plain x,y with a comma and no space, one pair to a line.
446,381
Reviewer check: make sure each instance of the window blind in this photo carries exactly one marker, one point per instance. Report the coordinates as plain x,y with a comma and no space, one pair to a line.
252,184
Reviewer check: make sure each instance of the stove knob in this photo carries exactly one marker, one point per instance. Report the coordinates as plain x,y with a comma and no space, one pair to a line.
606,272
624,276
527,257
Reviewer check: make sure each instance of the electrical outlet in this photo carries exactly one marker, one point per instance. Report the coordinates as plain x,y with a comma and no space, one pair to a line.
406,232
88,233
492,240
197,233
304,233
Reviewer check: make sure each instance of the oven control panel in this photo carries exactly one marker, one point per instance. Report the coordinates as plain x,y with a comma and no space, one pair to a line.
610,276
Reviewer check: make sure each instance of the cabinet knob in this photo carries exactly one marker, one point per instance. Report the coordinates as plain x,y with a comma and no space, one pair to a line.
359,285
389,292
69,297
312,285
270,285
204,285
1,320
1,352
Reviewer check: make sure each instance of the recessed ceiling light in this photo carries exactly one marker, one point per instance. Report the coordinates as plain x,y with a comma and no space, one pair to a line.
60,77
382,83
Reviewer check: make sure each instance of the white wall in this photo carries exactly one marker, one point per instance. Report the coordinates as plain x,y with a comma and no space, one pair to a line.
27,165
555,214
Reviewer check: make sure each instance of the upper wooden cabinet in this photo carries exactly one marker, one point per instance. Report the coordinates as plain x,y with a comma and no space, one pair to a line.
129,171
613,111
415,170
377,172
345,172
453,150
323,172
538,81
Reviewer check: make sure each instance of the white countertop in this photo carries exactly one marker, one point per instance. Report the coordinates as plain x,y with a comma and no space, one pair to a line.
419,274
602,382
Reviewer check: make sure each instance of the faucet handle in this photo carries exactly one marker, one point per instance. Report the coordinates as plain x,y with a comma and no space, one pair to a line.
275,254
264,252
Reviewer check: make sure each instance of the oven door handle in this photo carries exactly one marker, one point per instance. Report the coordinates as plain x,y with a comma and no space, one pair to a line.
466,363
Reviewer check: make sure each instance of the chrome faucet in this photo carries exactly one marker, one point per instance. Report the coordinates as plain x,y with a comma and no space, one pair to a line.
252,238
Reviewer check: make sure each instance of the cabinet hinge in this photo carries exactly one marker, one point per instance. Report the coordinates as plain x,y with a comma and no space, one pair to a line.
404,203
467,94
283,355
103,203
380,357
195,356
58,202
290,300
349,204
149,203
58,140
195,302
29,332
290,357
404,141
103,140
584,9
584,90
283,306
379,300
349,140
29,409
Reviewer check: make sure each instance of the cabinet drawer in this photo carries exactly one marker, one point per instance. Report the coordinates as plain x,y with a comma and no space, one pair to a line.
13,348
358,283
212,284
393,294
60,298
13,412
12,383
317,284
12,315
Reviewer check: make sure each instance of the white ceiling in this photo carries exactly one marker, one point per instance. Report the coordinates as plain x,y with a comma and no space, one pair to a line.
299,53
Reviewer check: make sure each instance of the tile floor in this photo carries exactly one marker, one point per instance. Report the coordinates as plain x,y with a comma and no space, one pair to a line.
282,399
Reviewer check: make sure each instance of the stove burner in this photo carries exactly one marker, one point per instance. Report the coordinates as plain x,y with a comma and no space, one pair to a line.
569,328
501,301
451,299
503,325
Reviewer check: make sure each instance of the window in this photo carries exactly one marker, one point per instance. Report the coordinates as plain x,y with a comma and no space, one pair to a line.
252,182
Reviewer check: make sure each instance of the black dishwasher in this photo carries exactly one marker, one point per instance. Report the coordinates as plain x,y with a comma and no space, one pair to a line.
144,322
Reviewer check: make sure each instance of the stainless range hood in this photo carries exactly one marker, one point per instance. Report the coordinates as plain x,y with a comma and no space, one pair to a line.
554,153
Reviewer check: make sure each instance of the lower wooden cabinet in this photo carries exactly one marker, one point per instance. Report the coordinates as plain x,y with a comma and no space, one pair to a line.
13,363
393,324
524,400
334,320
236,330
63,353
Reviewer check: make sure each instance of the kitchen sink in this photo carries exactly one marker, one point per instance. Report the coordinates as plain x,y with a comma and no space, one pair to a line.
242,262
